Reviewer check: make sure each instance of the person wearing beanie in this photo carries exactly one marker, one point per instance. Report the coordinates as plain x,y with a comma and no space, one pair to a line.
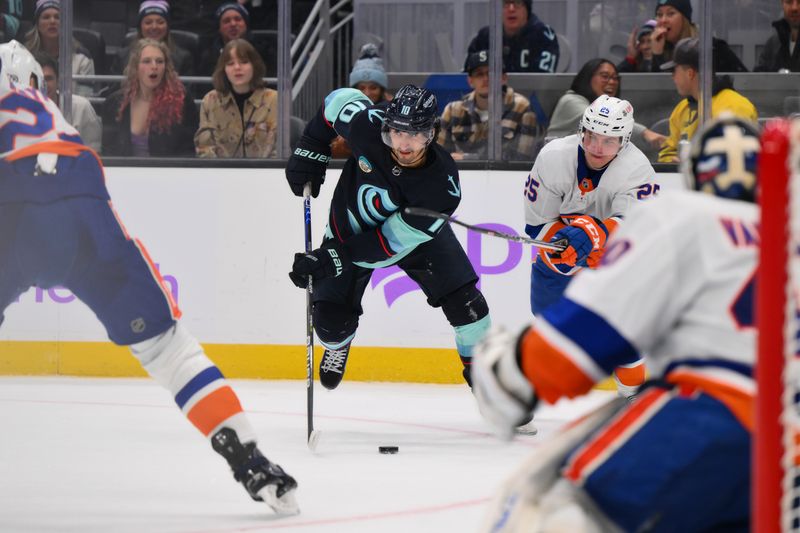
465,123
639,56
683,120
154,23
673,23
529,45
233,22
43,37
369,77
780,52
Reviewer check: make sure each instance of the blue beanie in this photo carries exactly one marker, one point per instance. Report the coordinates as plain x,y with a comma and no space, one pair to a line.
369,67
235,6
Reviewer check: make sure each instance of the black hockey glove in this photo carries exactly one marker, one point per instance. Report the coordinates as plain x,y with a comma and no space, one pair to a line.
326,262
308,164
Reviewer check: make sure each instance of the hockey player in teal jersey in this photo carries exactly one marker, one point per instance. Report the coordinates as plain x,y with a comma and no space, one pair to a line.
394,165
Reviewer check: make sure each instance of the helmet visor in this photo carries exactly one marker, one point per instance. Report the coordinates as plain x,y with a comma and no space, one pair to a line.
600,145
398,139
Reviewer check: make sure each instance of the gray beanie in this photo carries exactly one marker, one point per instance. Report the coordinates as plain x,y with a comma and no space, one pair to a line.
369,67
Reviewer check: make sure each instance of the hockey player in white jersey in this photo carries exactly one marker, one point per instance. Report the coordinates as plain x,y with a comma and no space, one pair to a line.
58,227
676,283
579,189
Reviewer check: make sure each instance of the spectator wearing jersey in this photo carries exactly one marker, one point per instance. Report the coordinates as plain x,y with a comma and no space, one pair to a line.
639,51
84,118
673,23
239,118
781,52
596,77
233,22
529,45
154,23
683,120
465,123
10,15
369,77
43,37
152,114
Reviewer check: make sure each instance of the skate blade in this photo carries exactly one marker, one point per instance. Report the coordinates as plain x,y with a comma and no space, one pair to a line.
526,429
285,505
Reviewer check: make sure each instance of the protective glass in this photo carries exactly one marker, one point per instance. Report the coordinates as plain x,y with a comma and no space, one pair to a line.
601,145
406,140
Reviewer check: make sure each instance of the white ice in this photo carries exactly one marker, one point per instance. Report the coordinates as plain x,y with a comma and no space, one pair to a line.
116,455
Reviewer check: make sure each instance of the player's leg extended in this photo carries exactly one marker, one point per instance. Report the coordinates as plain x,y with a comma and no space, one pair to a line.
675,460
117,280
337,306
443,271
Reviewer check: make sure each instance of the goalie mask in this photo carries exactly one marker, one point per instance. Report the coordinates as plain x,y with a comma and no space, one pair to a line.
609,116
18,68
722,159
413,110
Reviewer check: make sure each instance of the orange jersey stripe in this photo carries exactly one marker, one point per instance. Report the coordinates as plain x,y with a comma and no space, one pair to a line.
632,375
214,409
584,461
64,148
741,403
176,312
551,372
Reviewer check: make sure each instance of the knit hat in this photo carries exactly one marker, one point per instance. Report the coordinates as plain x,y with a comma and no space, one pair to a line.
646,28
686,53
41,5
683,6
153,7
235,6
369,67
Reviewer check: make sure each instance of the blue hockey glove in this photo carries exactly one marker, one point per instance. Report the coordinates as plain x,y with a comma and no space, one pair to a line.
308,164
326,262
585,235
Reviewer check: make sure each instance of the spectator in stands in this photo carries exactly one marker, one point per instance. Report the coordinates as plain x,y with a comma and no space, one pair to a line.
674,22
683,120
84,117
596,77
43,37
152,114
369,77
529,45
153,23
239,118
781,51
10,14
639,53
233,22
465,123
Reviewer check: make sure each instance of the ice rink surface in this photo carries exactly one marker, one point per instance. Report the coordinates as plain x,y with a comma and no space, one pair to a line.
116,455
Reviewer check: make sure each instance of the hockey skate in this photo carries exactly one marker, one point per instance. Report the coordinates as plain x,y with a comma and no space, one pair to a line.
264,481
527,427
331,368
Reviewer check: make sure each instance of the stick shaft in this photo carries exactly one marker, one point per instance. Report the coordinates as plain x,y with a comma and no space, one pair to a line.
309,320
558,246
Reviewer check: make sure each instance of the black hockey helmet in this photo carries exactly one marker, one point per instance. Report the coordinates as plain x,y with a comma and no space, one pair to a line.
723,157
412,109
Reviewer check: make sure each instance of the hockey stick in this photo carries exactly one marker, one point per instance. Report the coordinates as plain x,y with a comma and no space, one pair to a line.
558,246
312,435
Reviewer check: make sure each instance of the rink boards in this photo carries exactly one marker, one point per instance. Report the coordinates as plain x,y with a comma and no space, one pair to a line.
223,240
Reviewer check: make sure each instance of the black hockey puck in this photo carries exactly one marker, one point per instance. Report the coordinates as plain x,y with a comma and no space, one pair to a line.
388,449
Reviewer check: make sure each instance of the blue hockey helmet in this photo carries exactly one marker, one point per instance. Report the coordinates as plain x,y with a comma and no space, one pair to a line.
723,157
412,109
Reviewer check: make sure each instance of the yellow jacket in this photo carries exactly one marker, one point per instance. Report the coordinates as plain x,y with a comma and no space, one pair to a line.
683,120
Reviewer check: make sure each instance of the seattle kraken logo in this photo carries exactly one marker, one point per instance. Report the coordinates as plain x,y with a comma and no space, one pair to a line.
374,206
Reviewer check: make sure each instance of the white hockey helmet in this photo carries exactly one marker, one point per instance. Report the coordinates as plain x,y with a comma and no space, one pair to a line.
18,67
609,116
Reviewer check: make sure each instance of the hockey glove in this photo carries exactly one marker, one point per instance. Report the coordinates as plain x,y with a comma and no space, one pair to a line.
326,262
308,164
585,235
505,396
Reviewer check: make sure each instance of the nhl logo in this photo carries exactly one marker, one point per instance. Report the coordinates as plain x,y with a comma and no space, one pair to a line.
364,165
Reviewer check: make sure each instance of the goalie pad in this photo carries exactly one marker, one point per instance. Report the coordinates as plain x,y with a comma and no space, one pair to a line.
536,496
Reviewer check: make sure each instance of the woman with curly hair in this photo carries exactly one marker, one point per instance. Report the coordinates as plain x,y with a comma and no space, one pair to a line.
152,114
239,118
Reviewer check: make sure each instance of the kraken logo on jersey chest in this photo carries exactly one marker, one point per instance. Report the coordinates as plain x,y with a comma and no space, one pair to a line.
374,205
364,165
